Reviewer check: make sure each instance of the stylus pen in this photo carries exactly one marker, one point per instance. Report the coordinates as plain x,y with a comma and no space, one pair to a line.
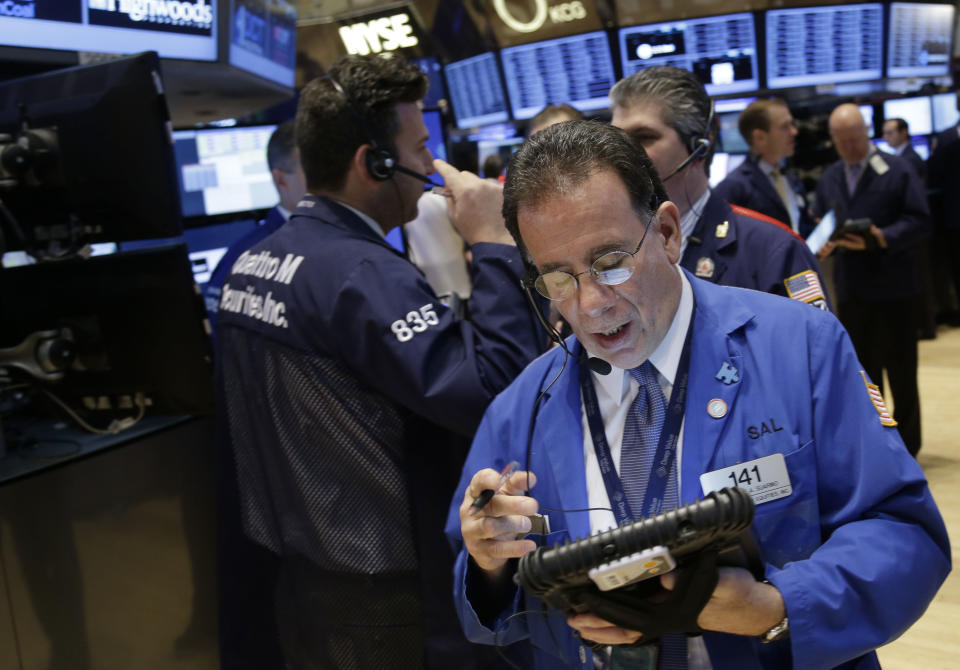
487,494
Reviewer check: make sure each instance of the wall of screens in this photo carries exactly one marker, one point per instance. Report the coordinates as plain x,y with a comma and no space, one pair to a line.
476,91
720,50
577,69
918,41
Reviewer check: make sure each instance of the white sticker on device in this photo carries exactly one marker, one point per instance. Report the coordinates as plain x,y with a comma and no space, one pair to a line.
633,568
765,479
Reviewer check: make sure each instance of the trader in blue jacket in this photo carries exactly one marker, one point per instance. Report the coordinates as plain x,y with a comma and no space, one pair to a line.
762,182
875,274
349,392
853,545
670,113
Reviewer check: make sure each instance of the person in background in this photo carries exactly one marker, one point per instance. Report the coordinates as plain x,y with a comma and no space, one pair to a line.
762,182
493,168
896,133
283,159
943,168
876,274
669,112
702,382
552,114
348,391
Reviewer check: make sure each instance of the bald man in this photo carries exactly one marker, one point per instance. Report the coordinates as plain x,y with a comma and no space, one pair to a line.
875,273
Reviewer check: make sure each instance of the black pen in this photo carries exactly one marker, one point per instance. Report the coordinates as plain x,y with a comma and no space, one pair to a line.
487,494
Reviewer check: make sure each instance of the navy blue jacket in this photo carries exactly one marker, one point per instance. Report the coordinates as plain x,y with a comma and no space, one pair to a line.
895,202
738,249
749,187
943,179
349,393
916,162
211,292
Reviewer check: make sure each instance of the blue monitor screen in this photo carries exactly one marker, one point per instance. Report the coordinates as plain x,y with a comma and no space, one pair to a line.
720,50
576,70
730,138
866,111
945,114
436,91
919,39
917,112
476,91
113,26
224,170
824,45
263,38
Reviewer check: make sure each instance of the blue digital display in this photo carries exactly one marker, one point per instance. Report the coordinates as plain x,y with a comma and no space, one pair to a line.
917,112
263,38
824,45
919,40
476,91
576,70
720,50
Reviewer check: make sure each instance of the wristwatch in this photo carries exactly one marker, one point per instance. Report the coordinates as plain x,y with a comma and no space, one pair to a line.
778,632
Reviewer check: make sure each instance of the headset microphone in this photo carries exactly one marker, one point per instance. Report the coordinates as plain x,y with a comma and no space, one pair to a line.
598,365
698,145
416,175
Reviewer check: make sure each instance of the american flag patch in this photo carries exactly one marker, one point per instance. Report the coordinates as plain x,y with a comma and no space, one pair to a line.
877,399
804,287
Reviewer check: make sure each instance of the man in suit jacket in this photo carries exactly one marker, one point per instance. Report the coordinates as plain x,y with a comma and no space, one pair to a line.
762,183
943,168
896,133
876,274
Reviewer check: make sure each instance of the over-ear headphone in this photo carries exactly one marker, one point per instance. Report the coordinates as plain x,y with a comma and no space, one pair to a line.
381,165
698,145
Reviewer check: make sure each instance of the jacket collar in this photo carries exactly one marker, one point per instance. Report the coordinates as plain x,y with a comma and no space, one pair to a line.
337,215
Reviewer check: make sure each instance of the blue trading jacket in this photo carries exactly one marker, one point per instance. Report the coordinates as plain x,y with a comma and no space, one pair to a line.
749,187
858,549
349,393
896,203
942,179
736,248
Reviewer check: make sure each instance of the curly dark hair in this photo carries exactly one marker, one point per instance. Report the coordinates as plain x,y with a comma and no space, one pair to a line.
563,156
330,127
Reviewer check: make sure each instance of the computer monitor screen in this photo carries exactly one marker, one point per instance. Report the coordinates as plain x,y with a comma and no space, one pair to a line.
135,320
919,39
916,112
731,140
112,167
731,104
476,91
576,70
263,38
113,26
720,50
224,170
824,45
866,111
722,165
945,114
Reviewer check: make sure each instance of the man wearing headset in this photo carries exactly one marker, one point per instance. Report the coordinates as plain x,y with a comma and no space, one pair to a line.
348,391
669,112
691,388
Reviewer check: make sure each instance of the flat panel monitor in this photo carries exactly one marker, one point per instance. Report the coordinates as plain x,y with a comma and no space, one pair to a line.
731,140
731,104
722,165
576,69
945,114
866,111
917,112
918,41
824,45
224,170
263,38
720,50
476,91
115,173
174,29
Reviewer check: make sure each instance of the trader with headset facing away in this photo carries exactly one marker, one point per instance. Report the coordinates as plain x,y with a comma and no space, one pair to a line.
349,391
668,110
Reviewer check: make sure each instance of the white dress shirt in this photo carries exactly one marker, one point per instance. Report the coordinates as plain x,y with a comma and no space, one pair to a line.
689,220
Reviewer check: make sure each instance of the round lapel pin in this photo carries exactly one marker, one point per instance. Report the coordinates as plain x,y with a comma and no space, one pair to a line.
717,408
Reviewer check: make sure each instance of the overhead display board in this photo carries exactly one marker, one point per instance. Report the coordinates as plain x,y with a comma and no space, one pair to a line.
523,21
263,38
576,69
476,91
824,45
720,50
173,28
918,40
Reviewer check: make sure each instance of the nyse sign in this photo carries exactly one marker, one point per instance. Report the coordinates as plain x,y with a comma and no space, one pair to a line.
563,12
386,33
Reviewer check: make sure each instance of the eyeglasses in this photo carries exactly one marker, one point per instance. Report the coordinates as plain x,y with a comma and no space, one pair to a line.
611,269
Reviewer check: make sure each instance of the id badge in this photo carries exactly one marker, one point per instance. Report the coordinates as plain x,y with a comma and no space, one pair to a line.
765,479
